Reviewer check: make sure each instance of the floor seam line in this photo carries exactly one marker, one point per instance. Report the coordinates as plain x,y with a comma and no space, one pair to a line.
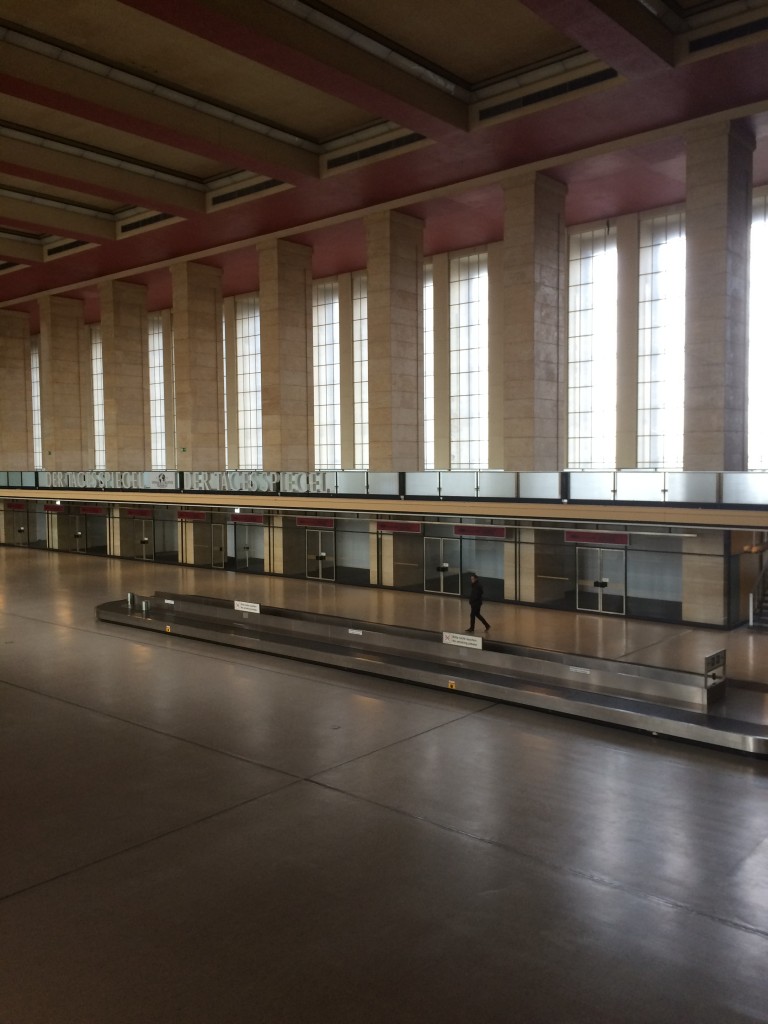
147,842
148,728
601,880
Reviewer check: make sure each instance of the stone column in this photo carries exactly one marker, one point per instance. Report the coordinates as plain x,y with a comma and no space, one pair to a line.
199,366
16,449
535,351
705,579
66,385
124,354
395,343
718,219
285,299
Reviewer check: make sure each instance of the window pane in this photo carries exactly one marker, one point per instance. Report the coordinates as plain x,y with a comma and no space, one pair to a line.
469,361
326,361
758,339
661,343
592,349
156,390
97,377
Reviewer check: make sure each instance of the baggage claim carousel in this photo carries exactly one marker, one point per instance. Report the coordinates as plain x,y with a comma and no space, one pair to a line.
704,708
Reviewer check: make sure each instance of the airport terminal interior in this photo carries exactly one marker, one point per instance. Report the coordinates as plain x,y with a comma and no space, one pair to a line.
312,313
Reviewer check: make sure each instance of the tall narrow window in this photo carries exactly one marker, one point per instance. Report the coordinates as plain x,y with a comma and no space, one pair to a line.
327,397
97,378
249,422
224,386
156,391
661,343
360,363
592,350
429,368
469,361
37,419
758,339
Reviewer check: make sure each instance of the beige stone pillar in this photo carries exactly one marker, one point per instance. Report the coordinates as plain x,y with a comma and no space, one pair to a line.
395,342
124,355
535,352
16,449
199,366
718,217
66,385
285,298
704,579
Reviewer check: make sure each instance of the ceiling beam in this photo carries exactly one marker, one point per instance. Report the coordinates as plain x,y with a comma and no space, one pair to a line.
19,250
626,36
47,219
53,166
307,53
98,98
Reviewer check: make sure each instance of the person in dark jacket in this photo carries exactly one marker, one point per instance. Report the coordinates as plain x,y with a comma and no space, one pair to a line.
476,603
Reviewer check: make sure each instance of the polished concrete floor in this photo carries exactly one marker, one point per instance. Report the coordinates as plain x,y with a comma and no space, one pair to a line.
193,833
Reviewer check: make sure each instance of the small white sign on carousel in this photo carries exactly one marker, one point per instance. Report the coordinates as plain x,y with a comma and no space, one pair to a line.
462,640
247,606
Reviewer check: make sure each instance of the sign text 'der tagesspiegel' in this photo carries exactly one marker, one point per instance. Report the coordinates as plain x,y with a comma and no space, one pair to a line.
242,481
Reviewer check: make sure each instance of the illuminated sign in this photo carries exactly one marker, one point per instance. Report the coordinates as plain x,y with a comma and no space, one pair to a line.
256,480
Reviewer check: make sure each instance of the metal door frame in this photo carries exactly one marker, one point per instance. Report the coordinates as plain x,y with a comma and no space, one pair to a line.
144,530
443,566
601,582
219,531
321,556
243,551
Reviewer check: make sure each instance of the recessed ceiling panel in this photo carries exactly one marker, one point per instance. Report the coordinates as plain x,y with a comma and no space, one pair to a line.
472,42
121,36
32,190
77,131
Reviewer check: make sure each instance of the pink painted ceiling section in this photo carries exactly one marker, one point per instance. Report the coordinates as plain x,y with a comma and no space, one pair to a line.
616,149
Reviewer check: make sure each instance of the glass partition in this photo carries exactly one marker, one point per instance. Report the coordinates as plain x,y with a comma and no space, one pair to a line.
640,485
496,484
384,484
589,486
697,488
458,485
422,485
745,488
539,486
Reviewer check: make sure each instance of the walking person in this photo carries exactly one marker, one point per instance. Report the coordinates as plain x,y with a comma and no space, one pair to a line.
476,603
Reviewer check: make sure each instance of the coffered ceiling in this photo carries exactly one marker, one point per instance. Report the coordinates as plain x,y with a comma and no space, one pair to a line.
137,133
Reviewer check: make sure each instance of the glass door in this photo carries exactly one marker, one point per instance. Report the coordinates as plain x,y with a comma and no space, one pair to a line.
601,580
18,525
96,534
78,533
144,539
321,555
442,565
249,547
218,545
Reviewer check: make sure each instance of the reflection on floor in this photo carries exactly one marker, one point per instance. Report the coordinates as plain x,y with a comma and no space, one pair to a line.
193,833
604,636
